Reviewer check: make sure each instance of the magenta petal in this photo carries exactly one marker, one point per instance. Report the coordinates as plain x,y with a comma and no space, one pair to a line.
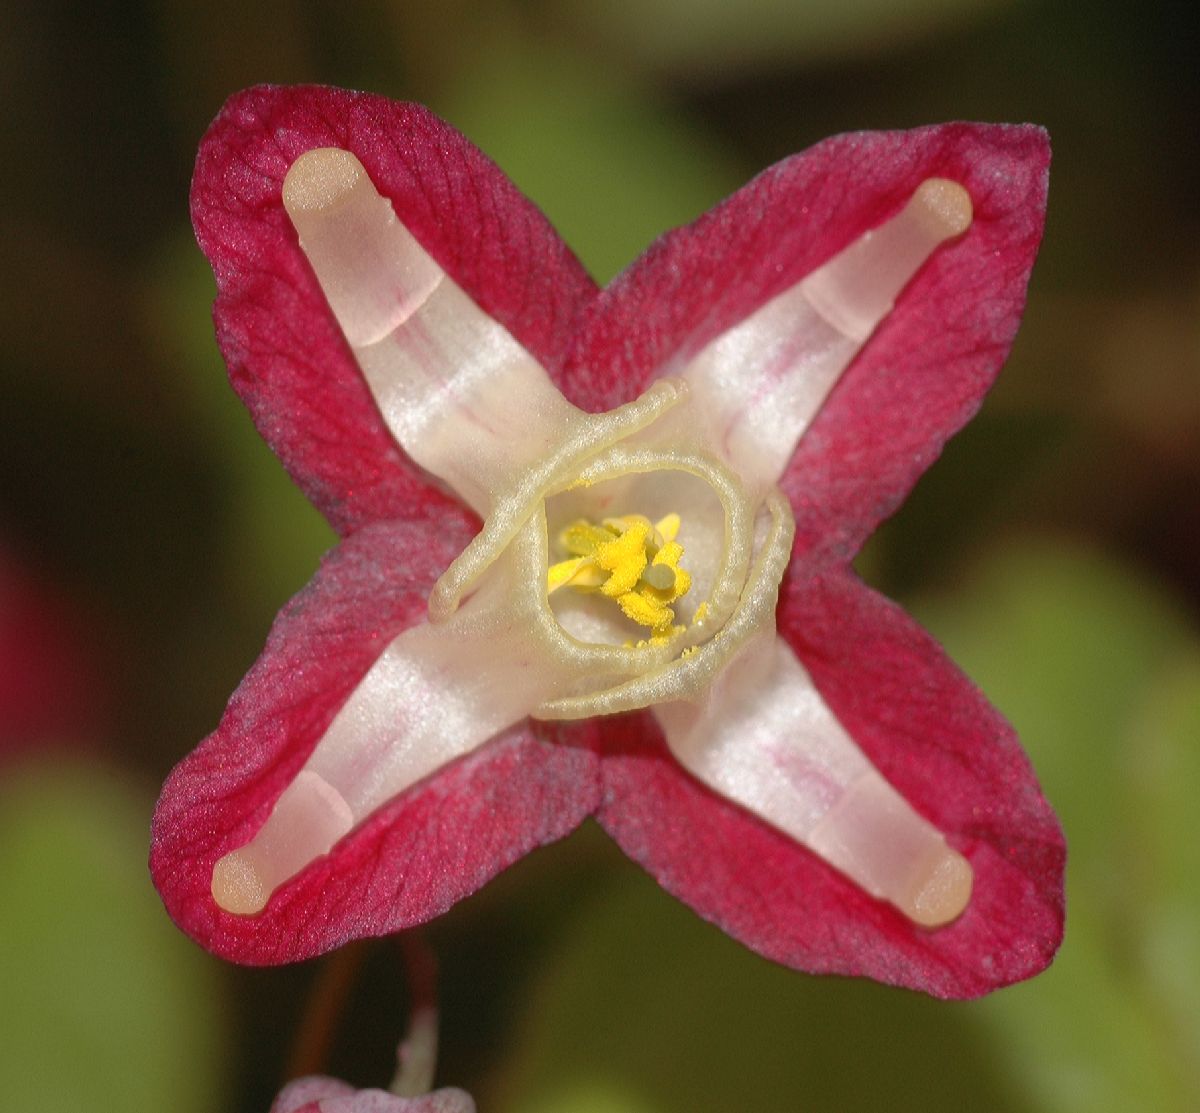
286,356
931,732
413,858
924,372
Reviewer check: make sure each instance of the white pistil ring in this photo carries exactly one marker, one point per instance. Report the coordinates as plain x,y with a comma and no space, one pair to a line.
597,658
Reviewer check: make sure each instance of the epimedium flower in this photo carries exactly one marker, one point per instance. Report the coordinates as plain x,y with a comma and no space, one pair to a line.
411,1089
320,1094
596,548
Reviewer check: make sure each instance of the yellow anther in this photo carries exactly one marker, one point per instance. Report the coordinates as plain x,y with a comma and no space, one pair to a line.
669,554
624,557
565,572
630,560
667,527
627,522
581,538
646,611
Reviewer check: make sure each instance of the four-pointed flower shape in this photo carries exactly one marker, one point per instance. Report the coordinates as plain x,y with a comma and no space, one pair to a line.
663,470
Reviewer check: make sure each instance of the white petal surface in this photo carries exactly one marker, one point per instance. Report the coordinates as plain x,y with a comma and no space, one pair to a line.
763,737
464,399
436,692
757,387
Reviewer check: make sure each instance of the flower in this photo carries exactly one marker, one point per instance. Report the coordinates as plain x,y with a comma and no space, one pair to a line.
748,375
318,1094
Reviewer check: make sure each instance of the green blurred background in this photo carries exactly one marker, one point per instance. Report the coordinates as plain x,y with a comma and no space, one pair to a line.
147,537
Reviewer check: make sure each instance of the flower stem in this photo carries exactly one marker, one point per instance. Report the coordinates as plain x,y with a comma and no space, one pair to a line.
327,1002
416,1057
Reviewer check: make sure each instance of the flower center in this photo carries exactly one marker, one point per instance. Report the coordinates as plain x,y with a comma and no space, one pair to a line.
629,560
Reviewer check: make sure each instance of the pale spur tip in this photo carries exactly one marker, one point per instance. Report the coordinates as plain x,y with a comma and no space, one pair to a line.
945,204
856,289
319,179
308,818
237,886
943,893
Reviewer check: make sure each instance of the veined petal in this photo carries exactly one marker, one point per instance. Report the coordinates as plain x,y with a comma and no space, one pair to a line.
933,736
927,728
402,866
924,373
286,355
436,693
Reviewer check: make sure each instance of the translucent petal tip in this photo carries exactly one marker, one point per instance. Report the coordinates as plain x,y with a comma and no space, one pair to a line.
319,178
237,886
945,204
308,818
943,892
856,289
873,835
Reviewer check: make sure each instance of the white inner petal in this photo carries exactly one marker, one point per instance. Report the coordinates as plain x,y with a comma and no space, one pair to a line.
758,386
762,736
462,397
437,692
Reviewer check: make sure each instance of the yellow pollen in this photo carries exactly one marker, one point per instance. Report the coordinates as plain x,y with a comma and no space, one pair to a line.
630,560
623,559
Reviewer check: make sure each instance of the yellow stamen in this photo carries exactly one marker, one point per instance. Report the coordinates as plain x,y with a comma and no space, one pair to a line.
565,572
624,558
630,560
647,611
668,527
581,538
